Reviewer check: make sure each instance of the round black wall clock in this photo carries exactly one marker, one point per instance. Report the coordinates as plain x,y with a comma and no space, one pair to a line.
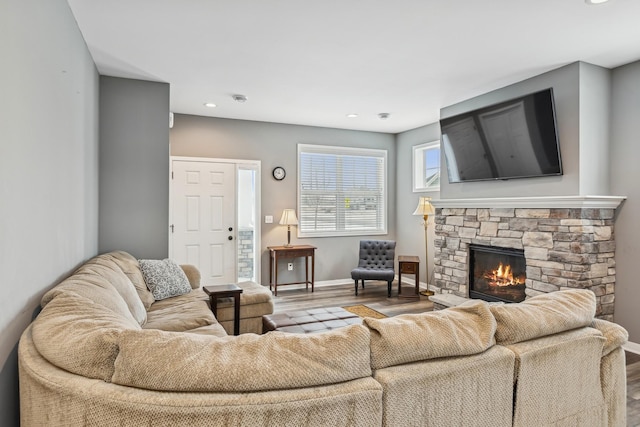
279,173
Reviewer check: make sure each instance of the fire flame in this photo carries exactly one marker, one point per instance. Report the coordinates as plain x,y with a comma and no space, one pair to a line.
502,276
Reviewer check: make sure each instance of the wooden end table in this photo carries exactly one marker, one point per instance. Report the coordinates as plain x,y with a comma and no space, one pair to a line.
293,251
408,265
222,291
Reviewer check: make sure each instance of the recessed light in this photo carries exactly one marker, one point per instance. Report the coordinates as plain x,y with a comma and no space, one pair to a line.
210,104
595,1
352,115
239,98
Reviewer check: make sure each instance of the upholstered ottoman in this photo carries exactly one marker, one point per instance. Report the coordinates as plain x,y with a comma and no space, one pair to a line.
255,302
309,321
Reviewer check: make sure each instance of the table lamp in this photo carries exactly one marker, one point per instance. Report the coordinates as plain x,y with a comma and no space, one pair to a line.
289,218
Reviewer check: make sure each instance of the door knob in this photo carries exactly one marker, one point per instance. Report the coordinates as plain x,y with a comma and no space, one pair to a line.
230,237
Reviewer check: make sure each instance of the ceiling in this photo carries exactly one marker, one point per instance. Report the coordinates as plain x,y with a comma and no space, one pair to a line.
313,62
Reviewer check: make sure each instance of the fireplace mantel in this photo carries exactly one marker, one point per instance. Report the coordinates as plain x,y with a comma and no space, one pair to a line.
566,202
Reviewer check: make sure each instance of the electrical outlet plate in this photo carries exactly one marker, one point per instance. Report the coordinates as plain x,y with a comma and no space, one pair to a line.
290,266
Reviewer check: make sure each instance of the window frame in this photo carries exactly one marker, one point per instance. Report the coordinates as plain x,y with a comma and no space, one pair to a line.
418,166
343,151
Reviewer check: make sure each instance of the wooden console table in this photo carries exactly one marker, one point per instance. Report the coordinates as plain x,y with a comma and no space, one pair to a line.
294,251
408,265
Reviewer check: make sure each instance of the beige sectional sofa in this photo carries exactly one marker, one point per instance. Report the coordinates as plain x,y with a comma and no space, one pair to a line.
89,358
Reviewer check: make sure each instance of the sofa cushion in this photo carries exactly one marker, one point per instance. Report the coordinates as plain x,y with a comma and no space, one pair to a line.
562,374
543,315
193,275
179,317
459,331
158,360
614,334
214,329
164,278
107,268
79,335
131,268
95,288
188,298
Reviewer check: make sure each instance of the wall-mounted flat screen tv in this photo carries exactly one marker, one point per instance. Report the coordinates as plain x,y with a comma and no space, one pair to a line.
512,139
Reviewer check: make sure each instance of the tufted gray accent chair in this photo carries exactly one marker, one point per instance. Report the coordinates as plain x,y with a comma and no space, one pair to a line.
376,262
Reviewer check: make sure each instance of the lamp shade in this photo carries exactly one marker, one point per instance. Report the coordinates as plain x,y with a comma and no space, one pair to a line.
424,207
289,217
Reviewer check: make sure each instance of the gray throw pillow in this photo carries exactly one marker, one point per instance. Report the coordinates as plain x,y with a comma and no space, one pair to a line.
164,278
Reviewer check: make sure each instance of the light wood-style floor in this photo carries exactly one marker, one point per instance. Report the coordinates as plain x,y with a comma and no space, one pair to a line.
375,296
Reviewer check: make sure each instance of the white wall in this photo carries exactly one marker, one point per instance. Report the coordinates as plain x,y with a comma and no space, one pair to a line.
48,167
276,145
625,175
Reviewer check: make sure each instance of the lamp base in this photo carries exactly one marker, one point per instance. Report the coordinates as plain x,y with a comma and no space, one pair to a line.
287,245
426,293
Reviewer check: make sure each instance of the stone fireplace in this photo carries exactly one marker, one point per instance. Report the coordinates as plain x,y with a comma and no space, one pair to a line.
563,247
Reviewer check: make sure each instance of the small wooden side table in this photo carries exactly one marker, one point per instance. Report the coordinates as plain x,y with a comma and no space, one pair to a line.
222,291
293,251
408,265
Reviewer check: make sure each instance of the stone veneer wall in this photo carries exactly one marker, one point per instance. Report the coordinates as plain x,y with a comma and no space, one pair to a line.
563,248
245,254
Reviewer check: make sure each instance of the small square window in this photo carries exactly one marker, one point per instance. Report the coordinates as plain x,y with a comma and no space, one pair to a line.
426,167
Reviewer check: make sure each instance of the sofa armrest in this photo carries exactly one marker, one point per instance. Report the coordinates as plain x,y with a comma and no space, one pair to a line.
614,334
193,274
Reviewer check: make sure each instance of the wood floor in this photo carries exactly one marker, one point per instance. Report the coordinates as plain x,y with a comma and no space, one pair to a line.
375,296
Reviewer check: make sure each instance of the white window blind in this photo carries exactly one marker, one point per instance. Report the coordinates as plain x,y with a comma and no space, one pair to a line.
341,191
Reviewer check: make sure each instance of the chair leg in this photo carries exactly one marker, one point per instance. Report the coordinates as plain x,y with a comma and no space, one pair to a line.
389,289
356,287
362,283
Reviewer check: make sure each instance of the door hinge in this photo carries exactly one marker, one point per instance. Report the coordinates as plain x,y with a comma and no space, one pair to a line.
171,227
171,174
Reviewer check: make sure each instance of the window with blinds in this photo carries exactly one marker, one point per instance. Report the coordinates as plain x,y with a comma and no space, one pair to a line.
341,191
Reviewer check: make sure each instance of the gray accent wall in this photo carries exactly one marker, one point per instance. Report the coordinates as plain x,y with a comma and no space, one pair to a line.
566,91
410,228
48,167
276,145
625,175
134,167
595,143
582,94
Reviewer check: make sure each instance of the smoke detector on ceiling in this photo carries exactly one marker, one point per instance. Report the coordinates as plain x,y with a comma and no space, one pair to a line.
239,98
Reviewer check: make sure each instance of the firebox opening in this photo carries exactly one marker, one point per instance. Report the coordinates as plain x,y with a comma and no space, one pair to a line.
497,274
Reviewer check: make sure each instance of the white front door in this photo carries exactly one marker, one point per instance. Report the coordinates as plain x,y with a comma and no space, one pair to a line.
204,218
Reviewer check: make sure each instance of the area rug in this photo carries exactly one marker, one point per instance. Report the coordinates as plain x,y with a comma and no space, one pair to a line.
364,311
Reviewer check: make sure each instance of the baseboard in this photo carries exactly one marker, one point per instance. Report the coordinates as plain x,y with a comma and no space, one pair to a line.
632,347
